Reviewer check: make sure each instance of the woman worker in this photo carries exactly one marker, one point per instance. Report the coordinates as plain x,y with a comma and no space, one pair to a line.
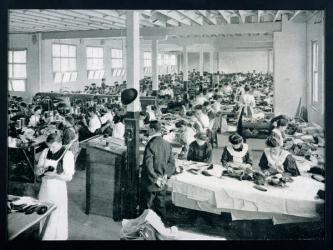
279,130
70,137
236,153
276,160
53,188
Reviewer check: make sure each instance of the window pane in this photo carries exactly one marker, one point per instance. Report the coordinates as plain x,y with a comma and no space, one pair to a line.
10,70
315,86
10,56
95,52
72,64
96,74
66,77
89,52
114,72
90,74
56,50
64,64
57,77
18,85
73,76
20,71
100,52
101,74
10,88
56,65
72,51
64,50
20,56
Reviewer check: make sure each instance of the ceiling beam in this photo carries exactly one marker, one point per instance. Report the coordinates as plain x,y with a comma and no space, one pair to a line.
195,18
295,15
225,16
260,13
50,23
312,15
176,16
71,18
182,30
91,18
242,14
84,14
278,13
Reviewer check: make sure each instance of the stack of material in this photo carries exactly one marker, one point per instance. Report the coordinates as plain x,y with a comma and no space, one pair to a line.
148,226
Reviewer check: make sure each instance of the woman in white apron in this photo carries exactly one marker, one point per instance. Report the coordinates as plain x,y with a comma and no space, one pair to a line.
236,154
247,102
53,187
275,160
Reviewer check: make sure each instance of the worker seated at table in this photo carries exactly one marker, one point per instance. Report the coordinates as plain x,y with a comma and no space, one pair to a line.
53,188
236,154
106,120
188,133
118,130
158,165
276,160
279,131
275,119
227,90
36,118
200,119
200,150
70,136
92,127
150,114
200,99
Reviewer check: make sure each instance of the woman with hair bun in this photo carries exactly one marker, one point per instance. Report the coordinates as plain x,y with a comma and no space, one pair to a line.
236,153
56,166
279,131
276,160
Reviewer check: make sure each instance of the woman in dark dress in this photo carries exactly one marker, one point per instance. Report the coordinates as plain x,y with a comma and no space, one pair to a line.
70,136
200,150
276,160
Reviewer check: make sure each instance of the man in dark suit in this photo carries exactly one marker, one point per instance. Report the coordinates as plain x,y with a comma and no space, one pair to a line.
158,165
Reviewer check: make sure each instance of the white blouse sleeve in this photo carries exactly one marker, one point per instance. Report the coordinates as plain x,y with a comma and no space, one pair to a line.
41,162
68,165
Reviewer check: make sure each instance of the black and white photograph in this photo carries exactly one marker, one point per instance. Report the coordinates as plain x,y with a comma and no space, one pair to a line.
157,124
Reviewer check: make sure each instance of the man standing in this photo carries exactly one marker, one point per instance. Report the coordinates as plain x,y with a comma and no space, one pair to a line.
158,165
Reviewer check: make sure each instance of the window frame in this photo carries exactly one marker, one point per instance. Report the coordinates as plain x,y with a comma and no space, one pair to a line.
96,73
64,73
10,79
314,74
117,58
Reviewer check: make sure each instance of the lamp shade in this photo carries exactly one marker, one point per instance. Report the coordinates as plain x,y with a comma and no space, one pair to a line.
128,96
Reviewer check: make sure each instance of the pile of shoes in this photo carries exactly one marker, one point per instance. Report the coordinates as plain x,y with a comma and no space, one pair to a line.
25,205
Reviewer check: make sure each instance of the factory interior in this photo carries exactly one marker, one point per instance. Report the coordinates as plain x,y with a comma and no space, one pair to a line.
166,124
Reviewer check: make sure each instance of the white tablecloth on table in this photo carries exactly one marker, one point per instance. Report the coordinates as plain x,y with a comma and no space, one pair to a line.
212,194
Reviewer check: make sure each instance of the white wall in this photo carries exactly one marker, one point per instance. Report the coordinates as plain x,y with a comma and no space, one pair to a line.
243,61
315,32
23,41
289,68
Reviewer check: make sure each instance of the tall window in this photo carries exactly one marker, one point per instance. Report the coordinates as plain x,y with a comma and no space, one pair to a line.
95,66
17,70
166,60
64,63
173,60
117,62
314,72
147,59
159,60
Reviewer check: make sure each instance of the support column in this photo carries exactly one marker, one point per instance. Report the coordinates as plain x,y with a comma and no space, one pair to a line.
130,176
133,56
211,62
201,62
268,61
185,64
154,64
